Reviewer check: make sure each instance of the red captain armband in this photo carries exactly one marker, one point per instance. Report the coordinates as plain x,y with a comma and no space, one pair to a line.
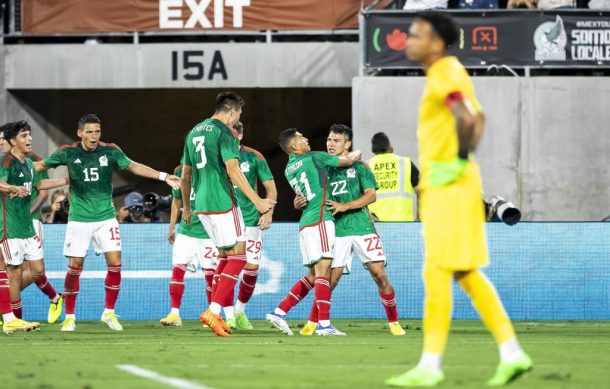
453,97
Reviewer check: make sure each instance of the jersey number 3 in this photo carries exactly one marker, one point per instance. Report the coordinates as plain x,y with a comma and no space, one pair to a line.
199,141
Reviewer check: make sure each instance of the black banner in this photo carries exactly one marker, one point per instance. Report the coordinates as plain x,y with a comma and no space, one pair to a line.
515,38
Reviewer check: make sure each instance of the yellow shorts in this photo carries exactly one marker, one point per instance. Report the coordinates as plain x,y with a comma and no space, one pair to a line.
453,219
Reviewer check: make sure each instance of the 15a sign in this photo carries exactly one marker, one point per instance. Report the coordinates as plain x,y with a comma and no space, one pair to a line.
191,65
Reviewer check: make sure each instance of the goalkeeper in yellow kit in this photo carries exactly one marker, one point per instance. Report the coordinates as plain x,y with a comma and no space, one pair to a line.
451,208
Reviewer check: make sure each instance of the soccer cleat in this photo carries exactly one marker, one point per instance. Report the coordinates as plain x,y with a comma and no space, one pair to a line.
110,318
69,325
278,322
510,371
214,322
242,322
55,310
171,320
207,317
19,325
416,377
396,329
309,329
231,322
329,330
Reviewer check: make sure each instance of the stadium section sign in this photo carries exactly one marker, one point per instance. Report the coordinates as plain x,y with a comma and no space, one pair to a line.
245,65
513,38
80,16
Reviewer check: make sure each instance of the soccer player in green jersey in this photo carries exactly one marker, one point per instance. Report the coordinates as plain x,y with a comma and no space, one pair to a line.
192,248
255,168
92,216
20,241
211,168
306,173
351,190
38,197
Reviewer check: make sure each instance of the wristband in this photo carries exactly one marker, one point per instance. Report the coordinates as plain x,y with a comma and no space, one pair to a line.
162,176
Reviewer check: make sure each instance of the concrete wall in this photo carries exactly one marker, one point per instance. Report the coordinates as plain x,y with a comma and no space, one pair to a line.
546,145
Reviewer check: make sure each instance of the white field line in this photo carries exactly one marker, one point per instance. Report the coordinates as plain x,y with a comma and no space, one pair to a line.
154,376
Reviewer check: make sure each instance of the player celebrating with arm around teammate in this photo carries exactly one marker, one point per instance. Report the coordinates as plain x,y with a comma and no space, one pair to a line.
211,168
20,241
92,217
306,173
37,274
449,128
351,190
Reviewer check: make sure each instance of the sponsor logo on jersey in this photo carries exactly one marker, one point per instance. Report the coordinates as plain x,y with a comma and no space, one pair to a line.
20,174
77,160
351,172
244,167
103,160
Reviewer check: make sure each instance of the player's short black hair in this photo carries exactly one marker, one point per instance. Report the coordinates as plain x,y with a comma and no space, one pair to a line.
225,101
88,119
443,25
343,130
380,143
11,130
238,127
285,138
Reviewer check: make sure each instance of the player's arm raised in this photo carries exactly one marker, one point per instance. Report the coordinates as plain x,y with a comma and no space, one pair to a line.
144,171
51,183
368,197
351,158
271,193
240,181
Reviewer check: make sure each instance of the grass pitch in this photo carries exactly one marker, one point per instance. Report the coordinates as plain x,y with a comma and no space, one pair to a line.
565,354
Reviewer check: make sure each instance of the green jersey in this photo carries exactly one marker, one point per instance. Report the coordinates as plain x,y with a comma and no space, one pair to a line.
254,166
348,184
195,228
38,176
306,174
207,147
16,221
90,175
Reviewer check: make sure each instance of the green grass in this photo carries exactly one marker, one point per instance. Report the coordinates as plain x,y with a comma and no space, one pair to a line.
565,354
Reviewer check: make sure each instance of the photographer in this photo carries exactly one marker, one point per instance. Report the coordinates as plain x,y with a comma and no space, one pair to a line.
60,207
133,210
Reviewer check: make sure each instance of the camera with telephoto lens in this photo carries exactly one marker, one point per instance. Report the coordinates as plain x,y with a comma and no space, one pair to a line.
65,205
498,209
154,202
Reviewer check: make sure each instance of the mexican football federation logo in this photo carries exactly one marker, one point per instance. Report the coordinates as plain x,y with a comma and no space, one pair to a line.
550,40
351,172
103,160
244,167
